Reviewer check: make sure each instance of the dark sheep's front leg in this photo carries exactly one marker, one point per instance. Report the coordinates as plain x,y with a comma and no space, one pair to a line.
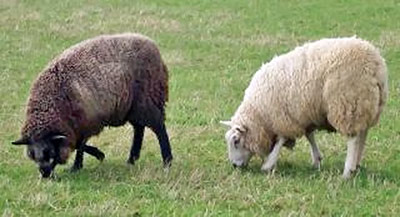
95,152
163,139
137,144
82,148
78,163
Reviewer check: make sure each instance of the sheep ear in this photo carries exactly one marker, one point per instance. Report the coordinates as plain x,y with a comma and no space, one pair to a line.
226,123
21,141
240,128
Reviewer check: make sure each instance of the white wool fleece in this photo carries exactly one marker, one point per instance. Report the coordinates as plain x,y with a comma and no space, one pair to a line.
338,83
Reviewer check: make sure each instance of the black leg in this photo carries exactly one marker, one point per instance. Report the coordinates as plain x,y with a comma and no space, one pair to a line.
78,163
94,152
163,139
137,144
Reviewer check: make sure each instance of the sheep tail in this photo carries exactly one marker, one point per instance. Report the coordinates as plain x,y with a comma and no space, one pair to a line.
383,94
165,72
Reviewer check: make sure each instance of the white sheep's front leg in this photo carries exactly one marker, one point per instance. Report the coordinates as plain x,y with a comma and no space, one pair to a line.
351,158
315,153
270,161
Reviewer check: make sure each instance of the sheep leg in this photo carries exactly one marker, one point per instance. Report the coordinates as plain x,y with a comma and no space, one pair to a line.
353,147
315,153
363,137
95,152
78,163
137,144
82,148
270,161
163,139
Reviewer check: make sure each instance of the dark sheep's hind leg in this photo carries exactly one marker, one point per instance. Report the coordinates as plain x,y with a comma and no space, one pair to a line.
163,139
137,144
78,163
95,152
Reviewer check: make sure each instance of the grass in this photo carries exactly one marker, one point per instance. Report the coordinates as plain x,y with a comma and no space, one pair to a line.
212,49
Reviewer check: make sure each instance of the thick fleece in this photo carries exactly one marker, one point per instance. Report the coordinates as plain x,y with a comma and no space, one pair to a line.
104,81
333,84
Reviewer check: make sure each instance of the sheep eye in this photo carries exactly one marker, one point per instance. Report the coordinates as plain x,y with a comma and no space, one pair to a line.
235,142
31,154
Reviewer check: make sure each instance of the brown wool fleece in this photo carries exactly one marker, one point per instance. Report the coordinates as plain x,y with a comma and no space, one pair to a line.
103,81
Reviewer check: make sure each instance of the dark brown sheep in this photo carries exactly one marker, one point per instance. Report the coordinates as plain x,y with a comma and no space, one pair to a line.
104,81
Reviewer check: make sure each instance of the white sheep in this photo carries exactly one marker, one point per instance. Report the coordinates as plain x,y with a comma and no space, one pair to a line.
337,84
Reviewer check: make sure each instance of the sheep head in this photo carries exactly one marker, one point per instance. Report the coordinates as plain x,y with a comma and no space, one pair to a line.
46,152
238,153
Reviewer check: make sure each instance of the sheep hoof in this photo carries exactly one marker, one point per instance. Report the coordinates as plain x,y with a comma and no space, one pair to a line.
347,174
131,160
268,170
168,162
100,156
317,166
317,163
75,168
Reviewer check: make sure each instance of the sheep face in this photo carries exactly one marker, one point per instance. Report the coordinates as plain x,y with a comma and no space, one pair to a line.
47,152
238,154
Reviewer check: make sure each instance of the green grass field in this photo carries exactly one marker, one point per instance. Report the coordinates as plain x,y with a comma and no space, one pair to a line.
212,49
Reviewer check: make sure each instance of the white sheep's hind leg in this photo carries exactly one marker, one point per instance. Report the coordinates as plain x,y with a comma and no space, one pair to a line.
270,161
363,137
351,158
315,153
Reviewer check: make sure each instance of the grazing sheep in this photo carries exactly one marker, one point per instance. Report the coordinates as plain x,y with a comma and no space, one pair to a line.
332,84
104,81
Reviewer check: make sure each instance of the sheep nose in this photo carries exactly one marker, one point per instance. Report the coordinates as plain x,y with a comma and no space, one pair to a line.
234,165
45,171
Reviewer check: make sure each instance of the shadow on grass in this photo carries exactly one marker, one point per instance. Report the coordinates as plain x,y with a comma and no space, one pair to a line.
291,170
283,169
112,171
146,171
